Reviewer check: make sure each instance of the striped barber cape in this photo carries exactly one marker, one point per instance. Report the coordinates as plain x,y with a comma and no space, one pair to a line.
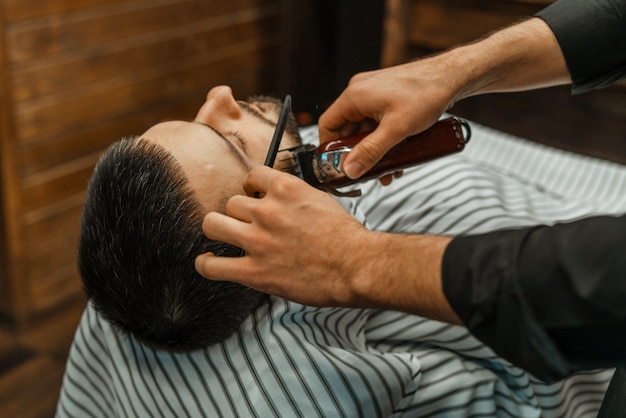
293,360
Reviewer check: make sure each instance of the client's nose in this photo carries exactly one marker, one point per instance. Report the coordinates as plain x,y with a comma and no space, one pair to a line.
219,108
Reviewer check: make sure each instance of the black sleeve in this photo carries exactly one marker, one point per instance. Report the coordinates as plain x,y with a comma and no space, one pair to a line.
592,36
550,299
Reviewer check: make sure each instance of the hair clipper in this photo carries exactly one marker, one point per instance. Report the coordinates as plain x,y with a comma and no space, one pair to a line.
321,166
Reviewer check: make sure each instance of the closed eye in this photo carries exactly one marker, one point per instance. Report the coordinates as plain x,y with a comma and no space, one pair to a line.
242,141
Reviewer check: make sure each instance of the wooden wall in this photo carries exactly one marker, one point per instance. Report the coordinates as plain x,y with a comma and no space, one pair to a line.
417,27
76,75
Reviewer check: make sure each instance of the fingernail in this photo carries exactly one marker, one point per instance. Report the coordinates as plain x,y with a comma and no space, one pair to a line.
354,170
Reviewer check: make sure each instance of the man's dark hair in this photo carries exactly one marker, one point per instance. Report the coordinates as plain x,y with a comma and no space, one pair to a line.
140,233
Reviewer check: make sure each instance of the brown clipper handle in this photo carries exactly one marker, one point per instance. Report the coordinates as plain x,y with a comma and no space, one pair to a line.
445,137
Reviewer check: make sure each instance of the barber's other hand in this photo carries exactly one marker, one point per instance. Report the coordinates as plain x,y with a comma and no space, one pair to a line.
399,101
299,242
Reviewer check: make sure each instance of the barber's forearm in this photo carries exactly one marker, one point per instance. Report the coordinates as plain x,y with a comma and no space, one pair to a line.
521,57
406,276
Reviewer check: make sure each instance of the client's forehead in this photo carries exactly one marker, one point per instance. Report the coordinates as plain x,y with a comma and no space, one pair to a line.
180,137
214,166
174,131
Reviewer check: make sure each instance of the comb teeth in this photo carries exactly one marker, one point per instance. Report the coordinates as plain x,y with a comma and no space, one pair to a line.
292,168
289,164
295,162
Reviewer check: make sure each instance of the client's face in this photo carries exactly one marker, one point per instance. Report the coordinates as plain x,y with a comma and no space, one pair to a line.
224,142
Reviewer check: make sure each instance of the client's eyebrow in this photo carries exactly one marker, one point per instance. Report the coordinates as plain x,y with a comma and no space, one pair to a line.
261,117
230,145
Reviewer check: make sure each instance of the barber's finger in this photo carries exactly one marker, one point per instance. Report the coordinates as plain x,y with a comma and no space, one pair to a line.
213,267
263,180
353,111
223,228
258,180
334,124
343,118
241,207
244,270
347,129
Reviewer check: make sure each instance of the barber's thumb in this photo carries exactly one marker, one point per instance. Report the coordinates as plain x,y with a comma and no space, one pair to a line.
362,158
354,169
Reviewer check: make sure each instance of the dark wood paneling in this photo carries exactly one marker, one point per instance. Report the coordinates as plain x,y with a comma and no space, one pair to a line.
24,390
73,71
28,9
437,24
38,38
49,155
593,124
57,287
59,188
32,361
114,97
10,243
53,223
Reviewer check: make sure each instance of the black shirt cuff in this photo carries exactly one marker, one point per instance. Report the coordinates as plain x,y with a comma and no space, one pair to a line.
592,35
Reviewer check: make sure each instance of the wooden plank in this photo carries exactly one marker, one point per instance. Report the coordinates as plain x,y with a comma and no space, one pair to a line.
31,389
39,38
395,33
11,289
11,353
51,270
41,232
21,10
55,251
6,134
440,24
53,289
27,9
57,289
540,2
140,89
52,334
51,154
59,188
588,124
76,71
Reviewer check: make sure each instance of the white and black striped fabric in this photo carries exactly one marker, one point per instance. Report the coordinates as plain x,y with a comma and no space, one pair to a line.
292,360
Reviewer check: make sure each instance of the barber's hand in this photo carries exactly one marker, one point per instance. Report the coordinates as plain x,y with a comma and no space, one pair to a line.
299,242
399,101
